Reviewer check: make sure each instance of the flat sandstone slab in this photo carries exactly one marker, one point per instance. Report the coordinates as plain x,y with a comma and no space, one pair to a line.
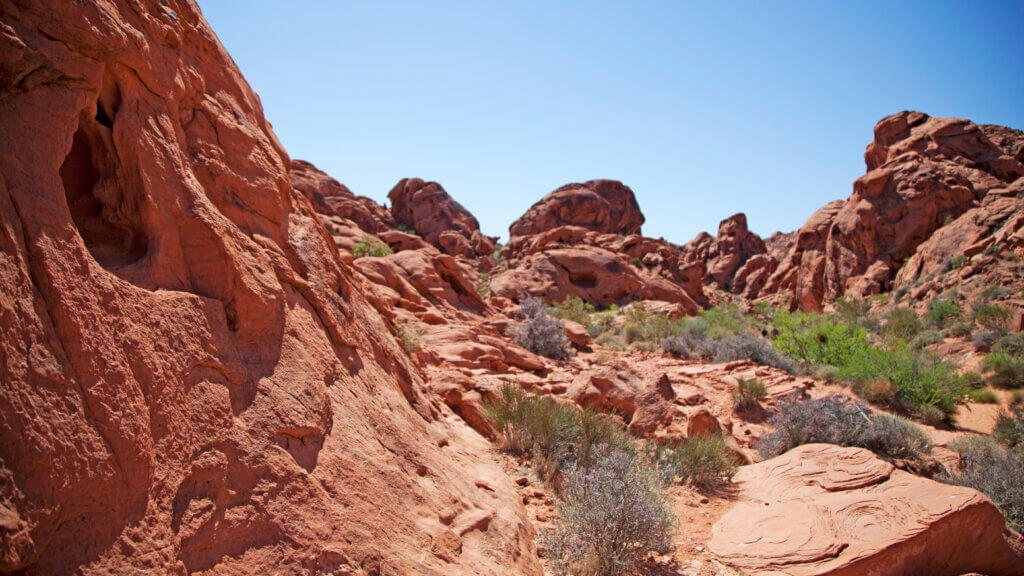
822,509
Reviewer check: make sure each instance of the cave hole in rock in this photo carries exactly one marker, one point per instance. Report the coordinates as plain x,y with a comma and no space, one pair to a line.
103,204
585,279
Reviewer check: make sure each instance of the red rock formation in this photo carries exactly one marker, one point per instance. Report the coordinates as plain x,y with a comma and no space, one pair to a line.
604,206
332,198
430,211
820,509
192,382
923,173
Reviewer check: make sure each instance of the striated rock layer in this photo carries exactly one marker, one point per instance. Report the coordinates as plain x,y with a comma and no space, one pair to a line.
192,382
821,509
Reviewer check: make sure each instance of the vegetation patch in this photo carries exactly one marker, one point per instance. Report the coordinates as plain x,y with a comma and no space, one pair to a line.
540,332
370,246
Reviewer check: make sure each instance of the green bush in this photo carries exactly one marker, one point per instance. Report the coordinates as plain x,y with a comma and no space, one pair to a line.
920,377
836,420
942,312
369,246
983,396
926,338
722,320
961,329
816,339
992,317
995,292
1012,344
903,324
614,514
702,461
1009,429
748,394
574,308
1007,370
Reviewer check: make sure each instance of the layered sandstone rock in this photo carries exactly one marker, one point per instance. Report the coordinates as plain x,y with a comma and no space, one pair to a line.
192,381
923,174
332,198
606,206
433,213
821,509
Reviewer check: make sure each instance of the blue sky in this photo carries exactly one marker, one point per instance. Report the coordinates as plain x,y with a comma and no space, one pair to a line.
703,109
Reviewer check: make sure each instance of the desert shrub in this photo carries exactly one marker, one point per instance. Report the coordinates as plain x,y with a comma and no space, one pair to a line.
610,340
977,443
1009,430
903,324
539,332
983,396
683,346
852,311
614,513
1016,397
995,473
370,246
574,308
955,262
926,338
643,324
877,391
824,372
942,312
748,394
930,415
817,339
721,321
992,317
920,377
1012,344
747,347
995,292
961,329
531,424
410,335
972,379
985,338
1007,370
836,420
702,461
603,357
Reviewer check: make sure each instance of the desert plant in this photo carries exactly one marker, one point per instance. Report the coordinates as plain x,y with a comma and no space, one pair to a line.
926,338
836,420
1012,344
992,317
961,329
942,312
983,396
995,473
1007,370
614,513
610,340
574,308
955,262
985,338
816,339
1009,430
745,346
682,346
410,335
995,292
539,332
721,321
748,394
876,391
370,246
903,324
702,461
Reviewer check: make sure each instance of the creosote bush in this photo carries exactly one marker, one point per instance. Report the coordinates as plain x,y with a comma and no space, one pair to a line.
995,472
1009,429
1007,370
574,308
903,324
614,513
370,246
539,332
992,317
748,394
836,420
942,312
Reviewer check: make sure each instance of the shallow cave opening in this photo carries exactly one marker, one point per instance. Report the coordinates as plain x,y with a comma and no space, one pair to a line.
99,197
585,279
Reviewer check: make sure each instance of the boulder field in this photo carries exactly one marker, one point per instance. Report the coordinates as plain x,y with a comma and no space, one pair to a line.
199,377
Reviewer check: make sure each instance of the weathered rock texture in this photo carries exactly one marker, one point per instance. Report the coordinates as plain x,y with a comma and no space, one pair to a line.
430,211
192,382
332,198
606,206
821,509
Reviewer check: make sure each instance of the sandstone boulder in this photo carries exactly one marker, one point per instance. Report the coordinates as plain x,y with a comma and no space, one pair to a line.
429,210
821,509
604,206
332,198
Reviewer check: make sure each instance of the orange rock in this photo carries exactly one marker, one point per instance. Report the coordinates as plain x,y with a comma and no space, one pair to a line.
601,205
434,214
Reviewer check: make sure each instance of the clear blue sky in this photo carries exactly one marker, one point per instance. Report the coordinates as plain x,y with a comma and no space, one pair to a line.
704,109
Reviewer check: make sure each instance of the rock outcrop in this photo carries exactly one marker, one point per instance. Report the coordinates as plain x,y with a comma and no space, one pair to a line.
606,206
333,199
821,509
433,213
192,380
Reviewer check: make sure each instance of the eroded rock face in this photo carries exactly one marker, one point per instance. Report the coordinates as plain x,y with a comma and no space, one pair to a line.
430,211
821,509
192,382
606,206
